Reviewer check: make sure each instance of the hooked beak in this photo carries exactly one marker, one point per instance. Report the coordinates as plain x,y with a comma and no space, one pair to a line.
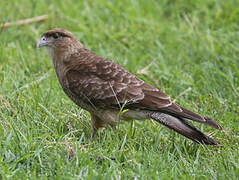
42,42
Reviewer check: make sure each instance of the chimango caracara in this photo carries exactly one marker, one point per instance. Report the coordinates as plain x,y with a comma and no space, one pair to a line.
104,88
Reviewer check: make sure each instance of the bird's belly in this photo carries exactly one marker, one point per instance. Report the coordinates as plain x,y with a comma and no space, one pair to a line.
112,117
133,114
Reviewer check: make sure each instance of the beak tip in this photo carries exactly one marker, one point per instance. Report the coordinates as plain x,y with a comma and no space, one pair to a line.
41,43
38,44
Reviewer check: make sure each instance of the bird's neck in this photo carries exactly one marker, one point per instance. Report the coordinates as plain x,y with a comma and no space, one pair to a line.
62,58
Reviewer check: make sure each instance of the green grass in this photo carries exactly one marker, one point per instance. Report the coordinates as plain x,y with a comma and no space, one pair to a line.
189,44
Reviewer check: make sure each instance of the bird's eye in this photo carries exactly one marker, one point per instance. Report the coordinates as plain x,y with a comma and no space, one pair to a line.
56,35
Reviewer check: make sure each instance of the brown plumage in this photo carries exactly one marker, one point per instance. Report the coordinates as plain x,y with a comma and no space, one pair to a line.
104,88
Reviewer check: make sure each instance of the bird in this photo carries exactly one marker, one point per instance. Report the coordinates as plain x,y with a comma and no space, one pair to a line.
110,93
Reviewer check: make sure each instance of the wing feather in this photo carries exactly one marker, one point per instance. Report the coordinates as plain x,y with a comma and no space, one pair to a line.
106,83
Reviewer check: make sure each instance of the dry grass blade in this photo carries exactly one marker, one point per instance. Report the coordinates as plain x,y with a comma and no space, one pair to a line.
25,21
182,94
144,71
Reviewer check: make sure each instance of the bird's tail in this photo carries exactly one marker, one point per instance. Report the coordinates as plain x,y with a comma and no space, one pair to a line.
183,127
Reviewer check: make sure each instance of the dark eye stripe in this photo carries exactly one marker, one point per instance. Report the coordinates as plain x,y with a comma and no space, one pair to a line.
55,35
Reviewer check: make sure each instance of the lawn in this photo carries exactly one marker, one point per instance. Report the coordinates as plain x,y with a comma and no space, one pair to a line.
188,49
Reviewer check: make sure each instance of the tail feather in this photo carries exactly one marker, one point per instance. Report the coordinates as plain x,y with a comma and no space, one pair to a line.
185,113
183,127
212,123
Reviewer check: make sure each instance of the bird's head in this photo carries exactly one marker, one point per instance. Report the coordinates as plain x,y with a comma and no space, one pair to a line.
58,39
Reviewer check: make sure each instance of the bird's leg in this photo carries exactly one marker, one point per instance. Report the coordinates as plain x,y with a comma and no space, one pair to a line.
93,134
97,123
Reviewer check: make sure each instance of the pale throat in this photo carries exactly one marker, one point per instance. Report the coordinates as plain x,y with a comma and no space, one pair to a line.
58,55
50,51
